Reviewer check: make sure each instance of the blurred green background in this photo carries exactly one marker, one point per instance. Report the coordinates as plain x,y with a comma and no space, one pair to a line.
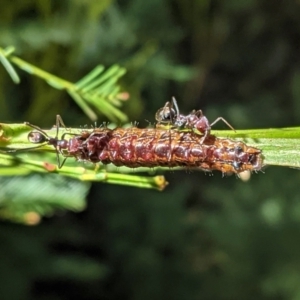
204,237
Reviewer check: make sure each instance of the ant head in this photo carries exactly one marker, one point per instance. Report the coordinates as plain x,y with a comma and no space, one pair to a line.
37,137
169,113
165,114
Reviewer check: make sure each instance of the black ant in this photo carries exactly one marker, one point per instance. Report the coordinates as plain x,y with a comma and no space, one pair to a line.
62,145
170,114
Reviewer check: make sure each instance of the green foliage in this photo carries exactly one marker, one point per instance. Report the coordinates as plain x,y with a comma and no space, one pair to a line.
97,88
33,201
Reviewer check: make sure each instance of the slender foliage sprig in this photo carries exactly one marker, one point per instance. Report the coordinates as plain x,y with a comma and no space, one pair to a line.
20,164
98,89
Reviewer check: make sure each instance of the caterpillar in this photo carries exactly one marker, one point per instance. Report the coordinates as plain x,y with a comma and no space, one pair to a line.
152,147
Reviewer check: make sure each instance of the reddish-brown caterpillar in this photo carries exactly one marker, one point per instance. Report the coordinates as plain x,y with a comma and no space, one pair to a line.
152,147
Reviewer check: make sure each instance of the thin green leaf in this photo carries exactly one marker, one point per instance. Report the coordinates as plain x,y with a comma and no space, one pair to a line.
9,68
109,110
89,77
113,71
83,105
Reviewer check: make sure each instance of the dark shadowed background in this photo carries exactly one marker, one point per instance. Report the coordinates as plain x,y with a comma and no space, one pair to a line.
204,237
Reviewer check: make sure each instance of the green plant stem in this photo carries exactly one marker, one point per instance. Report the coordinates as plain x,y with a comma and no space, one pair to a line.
280,146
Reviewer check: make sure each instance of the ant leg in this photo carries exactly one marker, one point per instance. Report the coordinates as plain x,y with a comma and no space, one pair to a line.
62,163
58,158
174,102
59,163
222,119
197,113
206,133
59,123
